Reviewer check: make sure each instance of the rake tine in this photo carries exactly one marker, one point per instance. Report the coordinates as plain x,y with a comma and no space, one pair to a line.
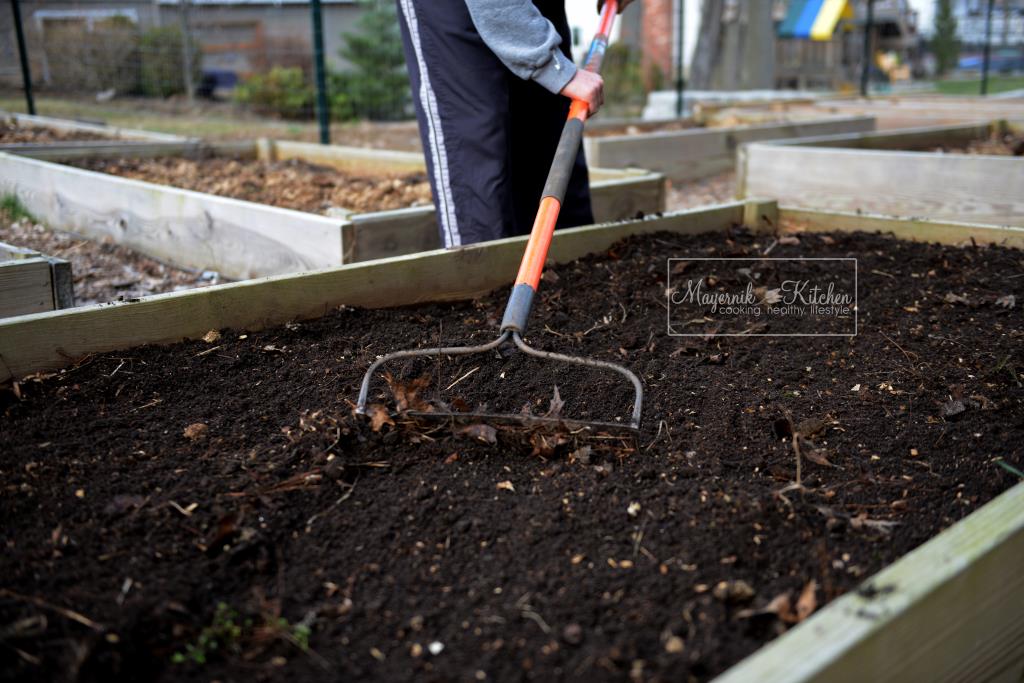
364,389
638,388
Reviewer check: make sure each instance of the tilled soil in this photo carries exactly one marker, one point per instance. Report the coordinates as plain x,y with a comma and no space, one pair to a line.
291,184
160,499
102,271
11,132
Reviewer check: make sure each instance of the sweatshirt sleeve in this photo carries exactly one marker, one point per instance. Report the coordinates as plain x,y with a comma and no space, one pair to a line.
523,40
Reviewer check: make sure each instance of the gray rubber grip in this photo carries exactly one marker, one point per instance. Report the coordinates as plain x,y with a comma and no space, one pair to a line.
518,309
565,160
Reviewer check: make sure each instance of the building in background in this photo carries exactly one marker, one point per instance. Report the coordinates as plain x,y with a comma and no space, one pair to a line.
1007,54
1007,22
236,37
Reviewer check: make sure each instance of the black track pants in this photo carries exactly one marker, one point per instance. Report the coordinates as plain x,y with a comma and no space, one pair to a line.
489,137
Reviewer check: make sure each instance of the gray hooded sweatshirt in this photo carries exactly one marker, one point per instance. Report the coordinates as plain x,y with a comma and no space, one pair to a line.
527,43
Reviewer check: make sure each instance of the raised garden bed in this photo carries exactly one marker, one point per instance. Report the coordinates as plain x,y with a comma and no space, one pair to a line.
699,152
32,282
20,132
882,173
292,184
242,239
338,551
100,270
902,111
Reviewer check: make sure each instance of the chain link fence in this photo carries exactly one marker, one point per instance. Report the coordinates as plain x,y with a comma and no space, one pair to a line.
252,56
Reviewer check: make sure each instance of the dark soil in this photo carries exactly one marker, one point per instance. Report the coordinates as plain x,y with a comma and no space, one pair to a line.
11,133
161,498
291,184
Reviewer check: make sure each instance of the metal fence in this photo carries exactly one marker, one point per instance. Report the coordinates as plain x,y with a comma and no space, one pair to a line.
237,57
255,55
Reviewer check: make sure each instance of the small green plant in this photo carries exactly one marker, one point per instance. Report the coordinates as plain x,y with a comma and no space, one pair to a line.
12,207
1009,468
227,633
296,634
223,634
281,91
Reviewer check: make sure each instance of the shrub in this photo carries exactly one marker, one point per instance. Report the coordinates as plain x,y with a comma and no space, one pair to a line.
623,83
377,85
163,71
280,91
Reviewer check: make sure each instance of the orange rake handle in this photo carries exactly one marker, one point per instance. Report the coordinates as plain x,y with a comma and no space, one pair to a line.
532,266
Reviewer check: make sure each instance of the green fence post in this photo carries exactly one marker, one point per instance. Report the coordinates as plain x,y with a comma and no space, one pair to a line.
323,114
26,74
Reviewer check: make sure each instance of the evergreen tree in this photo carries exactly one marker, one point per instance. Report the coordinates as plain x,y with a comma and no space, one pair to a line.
945,44
377,85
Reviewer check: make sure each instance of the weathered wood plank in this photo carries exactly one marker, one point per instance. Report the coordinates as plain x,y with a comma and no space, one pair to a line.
699,152
925,138
238,239
950,187
69,125
910,229
103,149
25,287
615,195
352,159
49,341
948,611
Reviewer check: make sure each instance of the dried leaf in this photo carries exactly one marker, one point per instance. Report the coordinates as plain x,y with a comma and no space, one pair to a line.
211,337
679,267
556,405
505,486
378,416
733,592
818,456
953,409
952,298
544,445
407,393
862,521
480,432
813,426
808,601
196,432
1007,301
781,606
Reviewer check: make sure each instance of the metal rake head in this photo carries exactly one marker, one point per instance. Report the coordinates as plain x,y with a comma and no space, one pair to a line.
525,420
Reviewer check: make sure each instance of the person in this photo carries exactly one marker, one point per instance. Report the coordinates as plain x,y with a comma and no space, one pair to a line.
491,82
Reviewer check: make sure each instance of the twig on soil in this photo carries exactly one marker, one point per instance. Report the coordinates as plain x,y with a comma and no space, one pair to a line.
447,388
345,496
209,350
668,433
795,441
63,611
906,354
185,511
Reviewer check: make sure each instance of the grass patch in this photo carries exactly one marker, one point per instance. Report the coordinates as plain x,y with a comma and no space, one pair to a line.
972,86
12,207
